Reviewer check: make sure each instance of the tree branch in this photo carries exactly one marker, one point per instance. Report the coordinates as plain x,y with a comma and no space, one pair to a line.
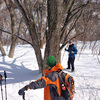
70,39
17,36
80,7
69,13
34,4
64,27
23,11
67,19
72,26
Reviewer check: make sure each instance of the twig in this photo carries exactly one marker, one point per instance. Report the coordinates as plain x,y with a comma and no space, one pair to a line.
34,3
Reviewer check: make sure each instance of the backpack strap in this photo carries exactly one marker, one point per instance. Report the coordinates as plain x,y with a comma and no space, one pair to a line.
69,81
62,77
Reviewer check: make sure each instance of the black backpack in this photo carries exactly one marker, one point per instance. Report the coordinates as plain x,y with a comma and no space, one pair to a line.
74,50
67,85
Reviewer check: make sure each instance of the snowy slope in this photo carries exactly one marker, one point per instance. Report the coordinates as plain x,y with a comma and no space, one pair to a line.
23,68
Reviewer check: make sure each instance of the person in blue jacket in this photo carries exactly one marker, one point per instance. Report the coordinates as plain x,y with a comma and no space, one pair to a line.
72,51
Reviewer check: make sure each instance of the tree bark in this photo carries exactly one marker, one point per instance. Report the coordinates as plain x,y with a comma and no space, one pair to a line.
54,30
14,39
36,45
2,49
1,46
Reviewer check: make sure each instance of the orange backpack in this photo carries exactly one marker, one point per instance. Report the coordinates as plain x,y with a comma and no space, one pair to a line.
67,85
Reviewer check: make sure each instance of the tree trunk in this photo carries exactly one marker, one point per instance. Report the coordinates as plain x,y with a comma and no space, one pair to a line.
36,44
54,31
41,42
99,51
1,46
14,39
39,57
2,49
9,5
12,48
32,31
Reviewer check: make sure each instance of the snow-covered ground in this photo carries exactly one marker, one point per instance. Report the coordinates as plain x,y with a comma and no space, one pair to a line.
23,68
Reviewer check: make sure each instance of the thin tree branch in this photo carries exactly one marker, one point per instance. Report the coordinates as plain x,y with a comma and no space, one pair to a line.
66,21
34,3
70,39
64,27
17,36
23,11
69,13
72,27
80,7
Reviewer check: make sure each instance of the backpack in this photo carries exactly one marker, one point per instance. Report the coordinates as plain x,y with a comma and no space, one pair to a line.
67,85
76,50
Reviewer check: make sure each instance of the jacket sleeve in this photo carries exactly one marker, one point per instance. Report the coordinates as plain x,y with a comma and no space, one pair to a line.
67,49
37,84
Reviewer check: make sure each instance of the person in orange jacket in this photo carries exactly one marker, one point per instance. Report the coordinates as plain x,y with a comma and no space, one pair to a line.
50,82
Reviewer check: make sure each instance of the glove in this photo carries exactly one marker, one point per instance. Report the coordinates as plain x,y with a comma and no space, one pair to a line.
72,51
21,91
65,49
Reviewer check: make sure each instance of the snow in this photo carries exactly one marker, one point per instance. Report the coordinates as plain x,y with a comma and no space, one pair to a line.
23,68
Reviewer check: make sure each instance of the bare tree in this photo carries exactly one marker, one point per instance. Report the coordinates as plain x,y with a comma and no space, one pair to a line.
89,23
9,5
61,18
1,46
90,17
56,11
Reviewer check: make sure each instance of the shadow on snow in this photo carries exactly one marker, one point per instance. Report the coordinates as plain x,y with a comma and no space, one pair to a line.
17,73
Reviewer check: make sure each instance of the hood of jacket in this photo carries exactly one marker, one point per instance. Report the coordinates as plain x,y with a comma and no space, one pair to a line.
55,68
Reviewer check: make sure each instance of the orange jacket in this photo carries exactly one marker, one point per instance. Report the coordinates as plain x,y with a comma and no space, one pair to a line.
50,82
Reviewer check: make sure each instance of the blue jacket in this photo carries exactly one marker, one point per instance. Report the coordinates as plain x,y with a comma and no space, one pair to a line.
72,50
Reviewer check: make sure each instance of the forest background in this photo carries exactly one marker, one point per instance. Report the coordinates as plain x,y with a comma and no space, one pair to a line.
53,23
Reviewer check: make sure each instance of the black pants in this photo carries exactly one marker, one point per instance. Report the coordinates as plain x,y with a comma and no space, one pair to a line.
71,62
